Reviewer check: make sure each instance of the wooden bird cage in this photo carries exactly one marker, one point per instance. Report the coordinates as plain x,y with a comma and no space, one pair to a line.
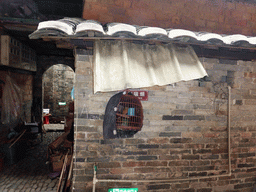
129,114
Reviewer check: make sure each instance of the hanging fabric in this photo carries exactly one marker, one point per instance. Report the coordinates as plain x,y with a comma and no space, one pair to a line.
120,64
12,103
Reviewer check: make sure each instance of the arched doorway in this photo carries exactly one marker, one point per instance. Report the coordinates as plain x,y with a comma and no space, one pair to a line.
58,107
57,86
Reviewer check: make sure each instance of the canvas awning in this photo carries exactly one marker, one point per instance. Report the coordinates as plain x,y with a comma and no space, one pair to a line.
120,64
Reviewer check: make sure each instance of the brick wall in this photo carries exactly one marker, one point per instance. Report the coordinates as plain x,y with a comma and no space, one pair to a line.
219,16
184,137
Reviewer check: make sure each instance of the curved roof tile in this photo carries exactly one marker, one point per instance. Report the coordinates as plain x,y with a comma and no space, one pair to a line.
115,28
252,40
176,33
232,39
146,31
74,27
89,25
209,36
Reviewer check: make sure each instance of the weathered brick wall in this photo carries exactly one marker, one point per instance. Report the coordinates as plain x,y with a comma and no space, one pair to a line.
58,83
184,136
221,16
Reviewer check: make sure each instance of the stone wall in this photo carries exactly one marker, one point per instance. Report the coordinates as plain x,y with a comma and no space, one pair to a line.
57,85
184,137
219,16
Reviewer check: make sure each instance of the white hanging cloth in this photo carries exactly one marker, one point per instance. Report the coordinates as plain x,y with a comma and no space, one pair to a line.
120,64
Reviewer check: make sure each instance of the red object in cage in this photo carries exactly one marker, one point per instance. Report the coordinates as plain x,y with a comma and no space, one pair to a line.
129,114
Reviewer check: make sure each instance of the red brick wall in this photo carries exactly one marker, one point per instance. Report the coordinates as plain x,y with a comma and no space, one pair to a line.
219,16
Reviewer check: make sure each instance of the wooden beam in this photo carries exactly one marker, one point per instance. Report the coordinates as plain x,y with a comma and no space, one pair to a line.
226,53
202,50
16,70
64,45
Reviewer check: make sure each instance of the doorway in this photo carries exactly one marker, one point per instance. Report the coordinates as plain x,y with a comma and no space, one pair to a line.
58,83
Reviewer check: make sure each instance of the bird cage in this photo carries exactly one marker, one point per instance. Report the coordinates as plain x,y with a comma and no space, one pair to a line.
129,113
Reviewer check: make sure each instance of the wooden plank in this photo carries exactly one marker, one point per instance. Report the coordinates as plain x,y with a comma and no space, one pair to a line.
57,162
5,42
57,142
202,50
69,174
62,172
16,70
46,39
67,183
145,41
64,45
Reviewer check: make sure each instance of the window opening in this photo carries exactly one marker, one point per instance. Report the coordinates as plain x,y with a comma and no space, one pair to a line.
123,116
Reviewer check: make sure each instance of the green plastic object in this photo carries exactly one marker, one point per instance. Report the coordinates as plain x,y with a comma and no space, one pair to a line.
123,190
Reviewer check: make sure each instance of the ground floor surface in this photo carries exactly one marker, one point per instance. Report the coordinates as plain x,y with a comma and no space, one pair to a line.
31,173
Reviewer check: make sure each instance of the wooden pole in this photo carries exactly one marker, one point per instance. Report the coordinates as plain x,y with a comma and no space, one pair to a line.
69,175
18,138
62,171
